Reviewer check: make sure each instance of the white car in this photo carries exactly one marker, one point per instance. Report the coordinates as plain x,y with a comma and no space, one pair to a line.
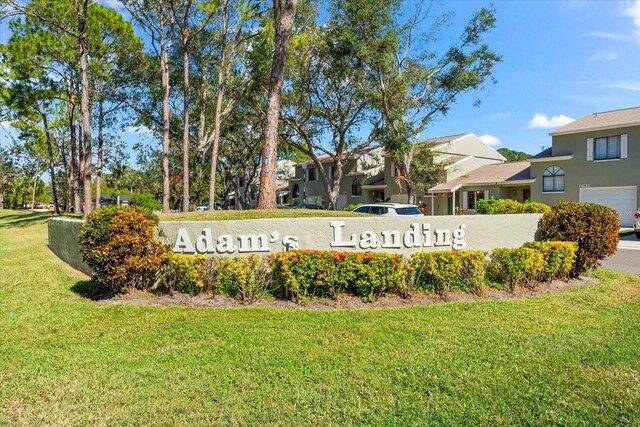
389,209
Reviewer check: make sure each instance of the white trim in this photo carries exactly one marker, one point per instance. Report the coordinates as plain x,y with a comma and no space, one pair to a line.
551,159
606,160
465,200
623,145
589,149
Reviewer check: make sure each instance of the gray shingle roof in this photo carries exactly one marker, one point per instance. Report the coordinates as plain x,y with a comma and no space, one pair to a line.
495,173
603,120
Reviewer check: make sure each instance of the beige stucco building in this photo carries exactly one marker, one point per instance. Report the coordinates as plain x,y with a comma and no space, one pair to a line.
592,159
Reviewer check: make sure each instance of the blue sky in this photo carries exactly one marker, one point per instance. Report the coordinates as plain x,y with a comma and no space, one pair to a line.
561,60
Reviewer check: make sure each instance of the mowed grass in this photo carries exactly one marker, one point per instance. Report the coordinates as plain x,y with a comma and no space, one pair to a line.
564,359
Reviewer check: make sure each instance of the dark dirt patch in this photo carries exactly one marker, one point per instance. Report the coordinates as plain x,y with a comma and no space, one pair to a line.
346,301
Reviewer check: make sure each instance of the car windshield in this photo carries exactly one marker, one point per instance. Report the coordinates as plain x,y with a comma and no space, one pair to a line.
408,211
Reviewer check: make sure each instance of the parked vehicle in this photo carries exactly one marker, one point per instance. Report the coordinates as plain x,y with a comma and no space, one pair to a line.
636,224
389,209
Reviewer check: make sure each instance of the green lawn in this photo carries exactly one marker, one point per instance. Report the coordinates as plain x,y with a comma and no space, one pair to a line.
565,359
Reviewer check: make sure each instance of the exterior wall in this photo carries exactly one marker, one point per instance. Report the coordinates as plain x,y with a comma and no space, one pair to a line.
315,191
467,145
580,172
63,241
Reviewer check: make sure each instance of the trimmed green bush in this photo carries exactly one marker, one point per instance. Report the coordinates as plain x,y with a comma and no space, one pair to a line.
508,206
145,201
595,228
301,274
518,266
437,271
559,258
118,244
443,271
182,273
378,274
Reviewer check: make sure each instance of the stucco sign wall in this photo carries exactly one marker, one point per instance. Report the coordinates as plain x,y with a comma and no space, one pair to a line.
379,234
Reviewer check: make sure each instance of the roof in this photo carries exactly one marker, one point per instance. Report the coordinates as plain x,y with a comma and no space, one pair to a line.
358,152
543,154
499,173
602,120
434,142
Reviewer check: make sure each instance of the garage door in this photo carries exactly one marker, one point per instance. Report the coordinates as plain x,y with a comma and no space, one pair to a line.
623,199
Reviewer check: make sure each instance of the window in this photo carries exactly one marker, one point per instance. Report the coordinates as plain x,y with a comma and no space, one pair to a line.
607,147
332,169
356,188
526,194
295,191
553,179
362,209
473,197
254,192
378,210
240,182
313,174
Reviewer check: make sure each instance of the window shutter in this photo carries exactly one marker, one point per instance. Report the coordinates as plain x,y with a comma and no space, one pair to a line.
486,194
465,200
623,146
589,149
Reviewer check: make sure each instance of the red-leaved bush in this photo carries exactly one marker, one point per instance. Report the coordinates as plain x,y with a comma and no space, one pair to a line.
118,244
595,228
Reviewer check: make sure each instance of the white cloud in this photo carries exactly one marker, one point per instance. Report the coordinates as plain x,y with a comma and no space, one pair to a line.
605,35
625,84
139,130
605,56
633,10
540,121
490,139
499,116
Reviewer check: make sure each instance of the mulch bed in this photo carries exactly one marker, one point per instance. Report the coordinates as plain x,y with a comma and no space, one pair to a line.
345,301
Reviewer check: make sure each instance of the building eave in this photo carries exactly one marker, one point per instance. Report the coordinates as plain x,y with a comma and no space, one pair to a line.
551,159
594,129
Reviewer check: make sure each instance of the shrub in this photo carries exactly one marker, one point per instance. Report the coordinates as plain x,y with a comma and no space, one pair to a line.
378,274
559,258
182,273
508,206
118,244
351,207
295,273
145,201
437,271
472,270
535,207
301,274
519,266
594,228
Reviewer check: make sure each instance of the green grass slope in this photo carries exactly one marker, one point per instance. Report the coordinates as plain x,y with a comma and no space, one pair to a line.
564,359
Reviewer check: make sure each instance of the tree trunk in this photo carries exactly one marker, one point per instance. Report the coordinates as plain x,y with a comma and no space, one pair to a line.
54,187
164,69
75,165
185,115
222,80
86,114
99,159
283,18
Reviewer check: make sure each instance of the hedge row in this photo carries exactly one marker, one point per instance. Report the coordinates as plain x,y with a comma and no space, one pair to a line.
119,246
494,206
303,274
